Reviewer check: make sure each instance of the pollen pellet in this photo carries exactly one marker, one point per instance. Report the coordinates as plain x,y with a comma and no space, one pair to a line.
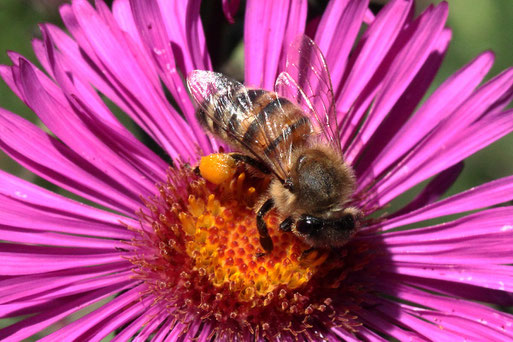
217,168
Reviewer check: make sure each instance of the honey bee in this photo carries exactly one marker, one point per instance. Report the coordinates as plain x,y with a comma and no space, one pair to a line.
292,135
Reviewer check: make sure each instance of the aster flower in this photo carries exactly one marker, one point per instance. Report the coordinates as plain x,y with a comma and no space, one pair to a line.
165,255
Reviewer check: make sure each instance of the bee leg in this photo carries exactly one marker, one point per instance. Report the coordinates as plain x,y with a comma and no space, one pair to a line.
306,253
252,162
265,239
286,225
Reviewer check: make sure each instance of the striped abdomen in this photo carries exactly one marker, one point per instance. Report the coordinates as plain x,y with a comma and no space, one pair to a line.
257,121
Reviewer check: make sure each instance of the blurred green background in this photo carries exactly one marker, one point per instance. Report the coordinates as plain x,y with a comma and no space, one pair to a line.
477,25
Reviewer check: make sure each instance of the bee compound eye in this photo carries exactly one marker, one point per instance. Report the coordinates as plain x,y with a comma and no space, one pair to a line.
308,224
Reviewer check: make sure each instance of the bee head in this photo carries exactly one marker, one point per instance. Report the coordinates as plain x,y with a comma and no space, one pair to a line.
320,232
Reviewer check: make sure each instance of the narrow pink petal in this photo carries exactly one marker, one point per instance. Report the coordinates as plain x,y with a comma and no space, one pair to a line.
264,32
485,195
24,204
149,329
185,32
147,322
402,110
47,283
365,334
491,276
436,154
137,310
55,162
336,35
162,333
8,77
107,138
76,329
466,329
482,316
449,96
34,324
72,131
28,305
148,20
433,190
369,17
344,335
396,313
19,259
153,112
402,71
377,321
372,49
131,40
296,21
15,234
457,290
87,70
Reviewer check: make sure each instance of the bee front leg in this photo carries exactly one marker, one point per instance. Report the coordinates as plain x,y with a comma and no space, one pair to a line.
265,239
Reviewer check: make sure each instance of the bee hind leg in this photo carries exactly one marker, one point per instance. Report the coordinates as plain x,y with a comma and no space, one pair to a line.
265,239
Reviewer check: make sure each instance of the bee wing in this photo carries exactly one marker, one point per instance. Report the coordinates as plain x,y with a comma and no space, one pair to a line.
306,80
237,118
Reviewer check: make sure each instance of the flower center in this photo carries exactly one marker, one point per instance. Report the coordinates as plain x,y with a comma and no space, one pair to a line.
198,251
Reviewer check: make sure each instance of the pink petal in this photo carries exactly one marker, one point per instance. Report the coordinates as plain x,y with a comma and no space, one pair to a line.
370,53
185,33
264,31
19,259
67,126
336,34
147,322
433,190
436,154
24,204
380,322
153,112
485,195
482,316
34,324
61,166
401,112
47,284
491,276
455,243
406,64
457,290
79,328
148,20
449,96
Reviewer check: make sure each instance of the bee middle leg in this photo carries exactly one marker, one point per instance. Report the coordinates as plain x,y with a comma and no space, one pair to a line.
286,225
265,239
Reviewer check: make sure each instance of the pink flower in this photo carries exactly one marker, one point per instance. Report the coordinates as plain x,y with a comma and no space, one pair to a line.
156,256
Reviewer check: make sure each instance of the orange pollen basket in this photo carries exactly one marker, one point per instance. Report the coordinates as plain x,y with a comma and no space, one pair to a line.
198,251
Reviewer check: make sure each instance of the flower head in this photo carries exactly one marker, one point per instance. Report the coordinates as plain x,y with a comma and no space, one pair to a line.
167,253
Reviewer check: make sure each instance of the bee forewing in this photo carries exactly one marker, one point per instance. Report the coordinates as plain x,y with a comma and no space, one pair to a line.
307,82
251,120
